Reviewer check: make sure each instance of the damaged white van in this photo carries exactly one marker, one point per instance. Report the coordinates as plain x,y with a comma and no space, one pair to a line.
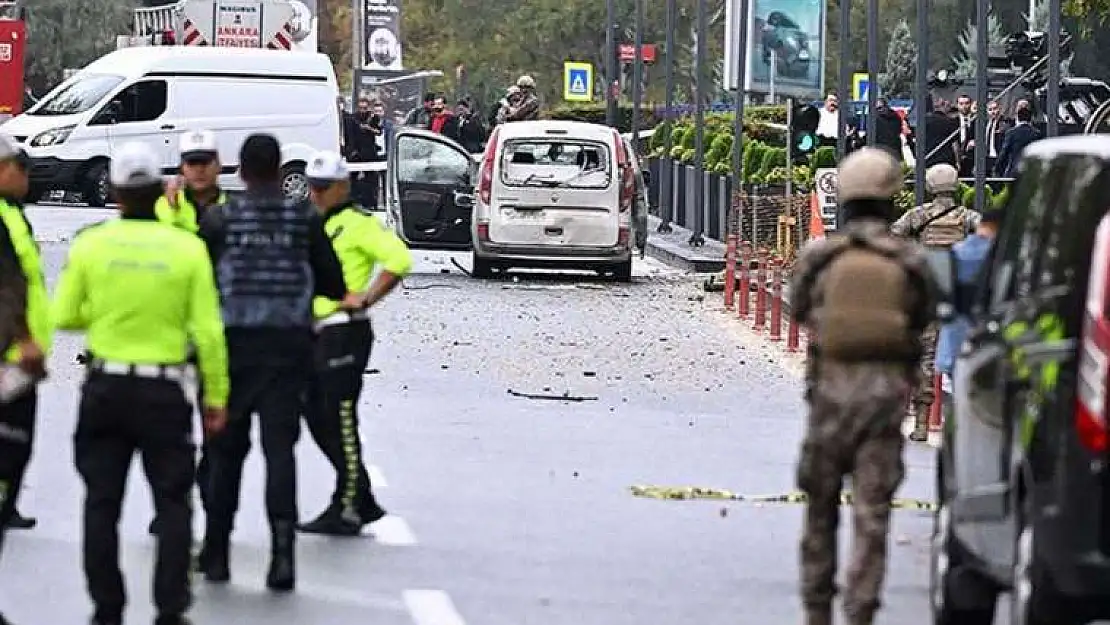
556,194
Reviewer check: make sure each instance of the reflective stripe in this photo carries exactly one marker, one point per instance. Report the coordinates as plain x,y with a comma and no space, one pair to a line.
341,318
174,373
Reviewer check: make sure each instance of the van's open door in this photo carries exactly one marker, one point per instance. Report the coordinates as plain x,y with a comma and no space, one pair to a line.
430,190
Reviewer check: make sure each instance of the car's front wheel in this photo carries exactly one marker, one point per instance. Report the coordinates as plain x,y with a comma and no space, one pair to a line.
1033,598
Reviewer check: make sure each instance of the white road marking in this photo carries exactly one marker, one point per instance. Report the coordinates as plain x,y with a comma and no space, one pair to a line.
377,478
432,607
393,531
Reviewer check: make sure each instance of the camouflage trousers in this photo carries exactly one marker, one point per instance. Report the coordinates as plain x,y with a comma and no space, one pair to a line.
925,394
854,430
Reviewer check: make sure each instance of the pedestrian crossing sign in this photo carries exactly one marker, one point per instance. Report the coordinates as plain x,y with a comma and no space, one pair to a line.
860,83
578,80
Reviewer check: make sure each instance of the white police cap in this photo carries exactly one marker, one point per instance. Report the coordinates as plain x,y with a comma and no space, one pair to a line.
327,167
198,143
135,165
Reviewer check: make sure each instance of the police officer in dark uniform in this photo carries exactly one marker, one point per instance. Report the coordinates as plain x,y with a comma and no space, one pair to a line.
343,342
184,207
140,290
271,257
26,313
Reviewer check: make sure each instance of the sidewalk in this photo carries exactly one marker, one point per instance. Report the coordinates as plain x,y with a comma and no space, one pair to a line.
674,249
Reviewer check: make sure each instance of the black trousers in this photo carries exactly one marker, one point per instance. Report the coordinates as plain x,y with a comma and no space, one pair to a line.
17,431
331,411
365,188
118,416
274,393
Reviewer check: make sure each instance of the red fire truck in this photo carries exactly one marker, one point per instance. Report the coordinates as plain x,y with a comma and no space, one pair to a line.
13,35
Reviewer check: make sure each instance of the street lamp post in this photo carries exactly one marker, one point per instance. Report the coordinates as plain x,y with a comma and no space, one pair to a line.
638,75
921,93
872,69
610,62
1052,99
697,238
982,13
843,86
666,199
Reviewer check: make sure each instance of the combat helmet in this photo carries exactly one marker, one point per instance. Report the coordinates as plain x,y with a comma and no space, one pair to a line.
868,174
526,82
942,178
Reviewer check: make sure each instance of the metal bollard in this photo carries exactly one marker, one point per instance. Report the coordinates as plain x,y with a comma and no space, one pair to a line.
776,300
936,413
761,291
793,335
745,279
730,272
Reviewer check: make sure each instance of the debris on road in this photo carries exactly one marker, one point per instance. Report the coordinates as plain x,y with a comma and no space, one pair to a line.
566,396
696,492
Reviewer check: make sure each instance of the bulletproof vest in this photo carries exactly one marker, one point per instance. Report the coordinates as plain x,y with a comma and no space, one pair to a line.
946,223
264,274
864,312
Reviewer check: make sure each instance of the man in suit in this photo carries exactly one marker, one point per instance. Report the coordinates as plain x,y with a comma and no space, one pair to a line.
965,143
1021,135
997,125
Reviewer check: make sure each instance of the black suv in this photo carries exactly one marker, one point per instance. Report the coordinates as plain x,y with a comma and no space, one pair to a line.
1023,481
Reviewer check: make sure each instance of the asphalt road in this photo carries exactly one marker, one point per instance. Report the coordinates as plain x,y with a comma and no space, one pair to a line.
508,511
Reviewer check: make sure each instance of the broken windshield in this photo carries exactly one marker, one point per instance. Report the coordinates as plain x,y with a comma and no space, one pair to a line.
556,163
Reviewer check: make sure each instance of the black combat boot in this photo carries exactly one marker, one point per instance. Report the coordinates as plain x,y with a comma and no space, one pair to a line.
818,616
283,567
172,620
334,521
5,621
920,432
213,561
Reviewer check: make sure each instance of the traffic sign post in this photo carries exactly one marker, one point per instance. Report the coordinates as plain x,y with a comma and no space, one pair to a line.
861,83
578,80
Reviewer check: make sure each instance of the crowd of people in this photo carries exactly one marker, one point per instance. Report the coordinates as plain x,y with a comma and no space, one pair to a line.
367,131
268,296
949,133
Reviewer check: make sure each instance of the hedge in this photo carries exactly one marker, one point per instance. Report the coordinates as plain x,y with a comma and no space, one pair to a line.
649,118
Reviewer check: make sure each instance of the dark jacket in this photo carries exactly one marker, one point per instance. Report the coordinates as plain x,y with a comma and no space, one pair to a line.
468,131
271,256
888,131
938,131
527,110
420,116
362,144
1009,157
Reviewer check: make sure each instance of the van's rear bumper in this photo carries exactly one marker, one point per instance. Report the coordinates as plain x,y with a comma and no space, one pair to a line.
55,173
535,255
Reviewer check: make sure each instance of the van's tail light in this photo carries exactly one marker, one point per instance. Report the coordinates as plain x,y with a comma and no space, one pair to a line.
1094,352
483,233
627,174
624,235
485,178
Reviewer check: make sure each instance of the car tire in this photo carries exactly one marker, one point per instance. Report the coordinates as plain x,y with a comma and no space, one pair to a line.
945,554
480,268
294,183
622,272
95,185
1033,598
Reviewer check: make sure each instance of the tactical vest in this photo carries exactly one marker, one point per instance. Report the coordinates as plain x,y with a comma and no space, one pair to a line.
947,223
864,312
264,274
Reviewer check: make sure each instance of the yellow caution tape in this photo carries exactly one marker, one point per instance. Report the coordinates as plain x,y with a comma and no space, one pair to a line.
697,492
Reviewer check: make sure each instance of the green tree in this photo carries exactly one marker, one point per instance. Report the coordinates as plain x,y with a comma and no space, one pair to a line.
901,63
63,34
965,62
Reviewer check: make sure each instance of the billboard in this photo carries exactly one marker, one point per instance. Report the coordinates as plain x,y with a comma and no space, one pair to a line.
381,35
785,47
397,91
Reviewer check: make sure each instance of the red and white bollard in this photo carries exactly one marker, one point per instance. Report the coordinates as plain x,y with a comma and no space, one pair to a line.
776,300
730,272
761,292
744,276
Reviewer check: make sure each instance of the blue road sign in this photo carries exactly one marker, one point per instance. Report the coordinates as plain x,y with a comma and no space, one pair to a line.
578,82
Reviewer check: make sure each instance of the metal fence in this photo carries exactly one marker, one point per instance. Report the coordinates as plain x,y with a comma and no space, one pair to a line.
768,219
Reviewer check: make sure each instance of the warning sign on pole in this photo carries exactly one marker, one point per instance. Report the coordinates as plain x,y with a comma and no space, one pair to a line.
578,81
239,25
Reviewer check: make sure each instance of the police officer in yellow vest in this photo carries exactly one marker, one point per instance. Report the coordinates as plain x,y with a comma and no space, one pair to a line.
26,294
184,207
141,291
200,167
344,338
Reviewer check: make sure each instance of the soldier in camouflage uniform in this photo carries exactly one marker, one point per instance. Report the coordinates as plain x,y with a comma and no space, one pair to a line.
940,224
856,400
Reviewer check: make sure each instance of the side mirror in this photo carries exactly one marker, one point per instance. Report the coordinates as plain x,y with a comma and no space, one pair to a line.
943,267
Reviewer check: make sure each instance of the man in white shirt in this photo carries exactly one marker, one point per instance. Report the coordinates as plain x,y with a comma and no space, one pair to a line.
828,126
